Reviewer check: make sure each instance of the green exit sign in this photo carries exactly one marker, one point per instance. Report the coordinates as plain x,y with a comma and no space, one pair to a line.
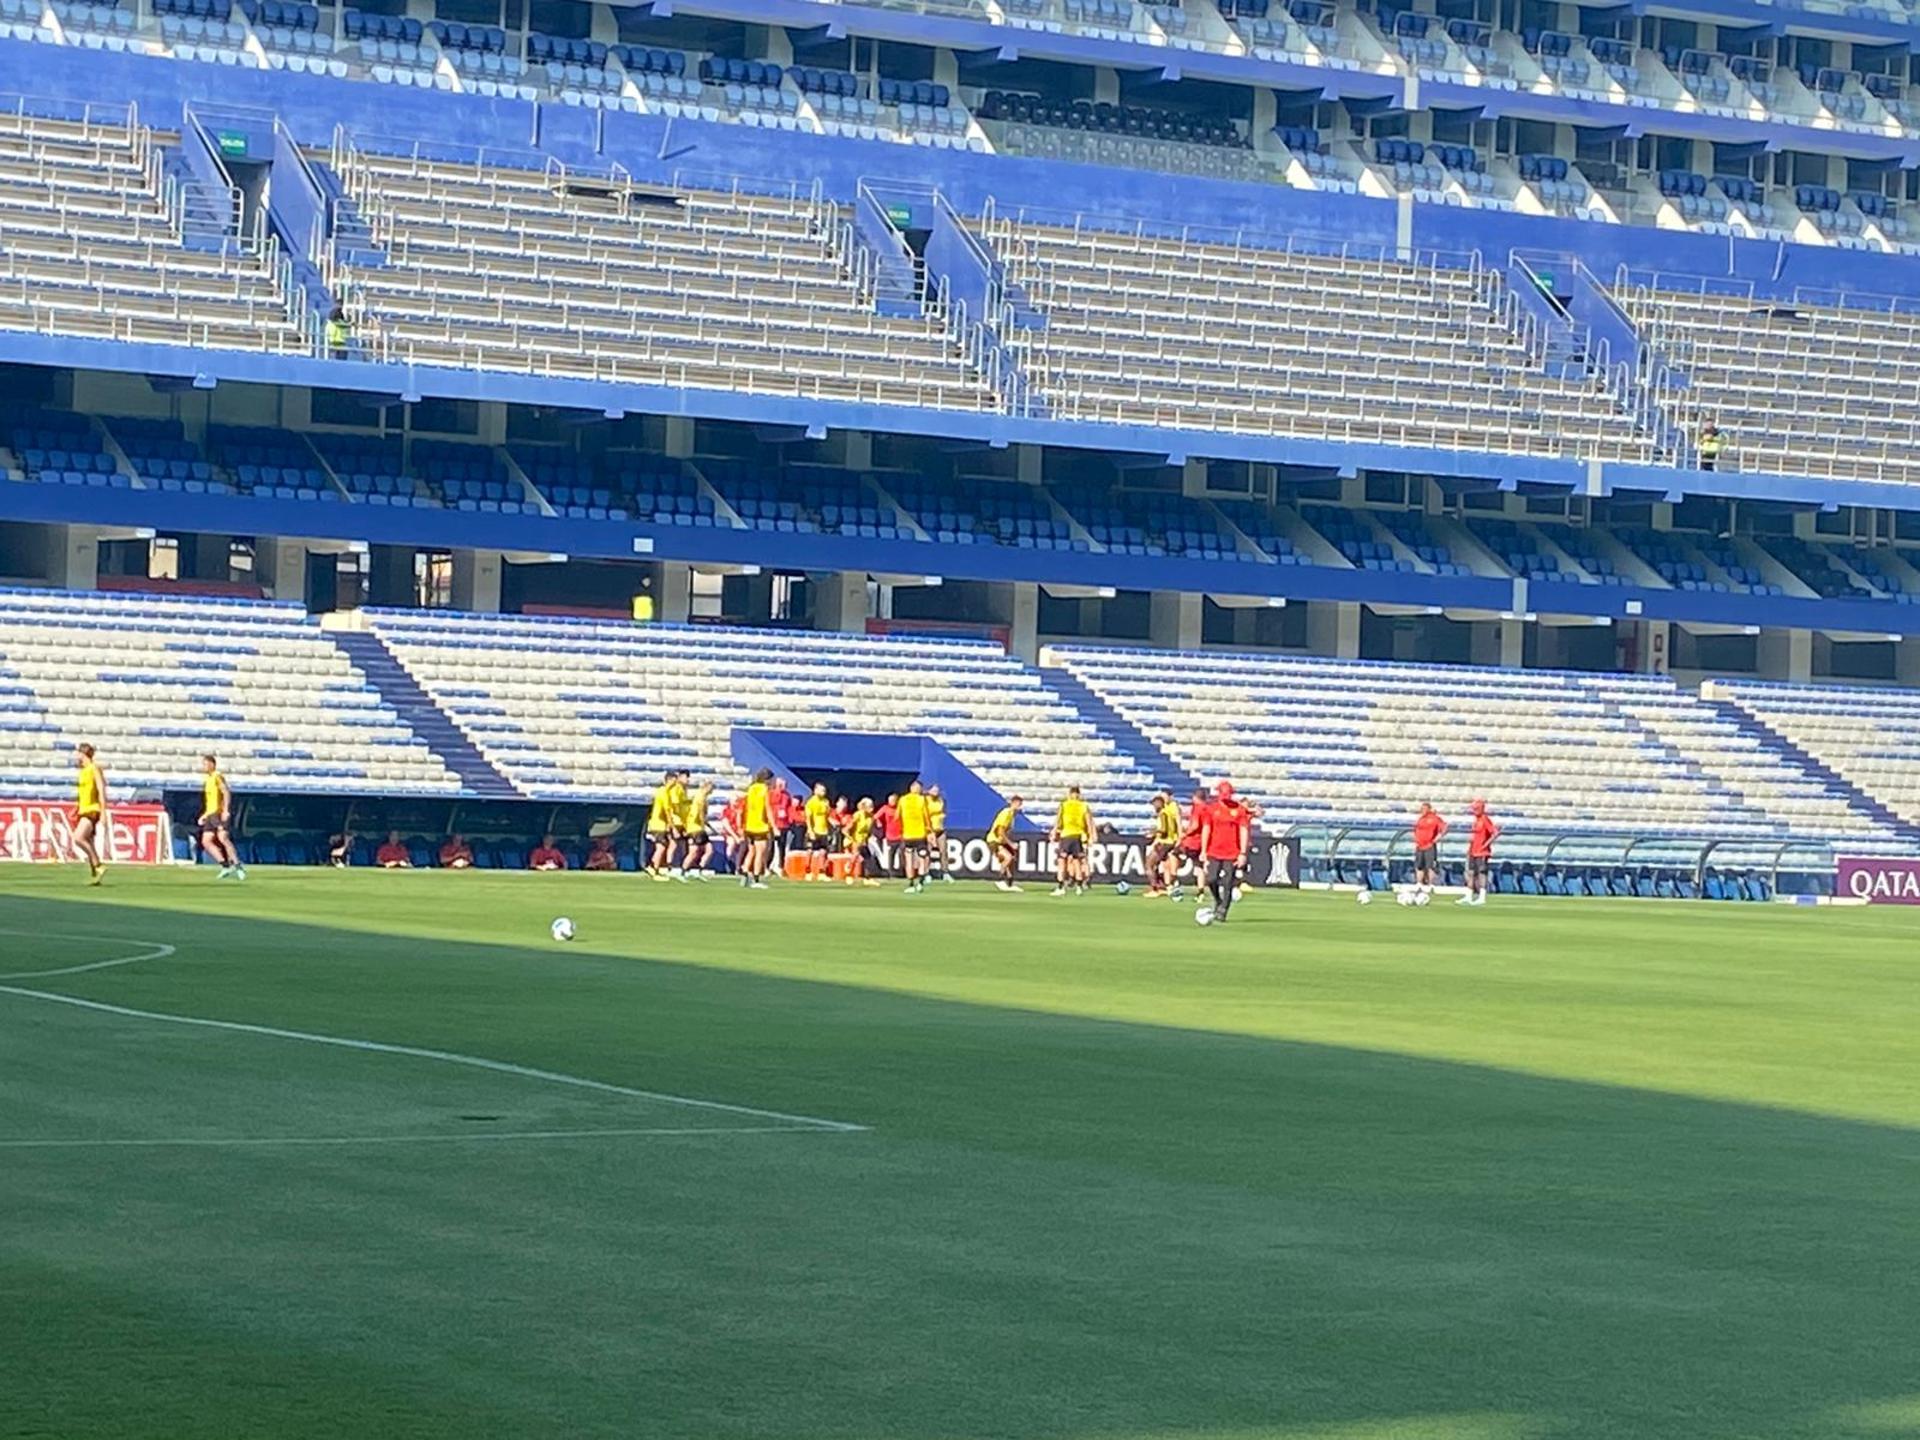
899,216
233,144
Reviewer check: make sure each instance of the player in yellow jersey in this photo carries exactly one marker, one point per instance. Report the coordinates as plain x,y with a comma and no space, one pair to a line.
859,838
756,827
216,820
89,812
696,831
818,816
1163,845
1000,837
913,838
662,819
1072,834
937,834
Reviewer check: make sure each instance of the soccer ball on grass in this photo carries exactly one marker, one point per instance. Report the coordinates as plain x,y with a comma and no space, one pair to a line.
1365,897
1203,916
562,929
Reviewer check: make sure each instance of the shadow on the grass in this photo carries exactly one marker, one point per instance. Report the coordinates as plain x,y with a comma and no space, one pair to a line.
1059,1228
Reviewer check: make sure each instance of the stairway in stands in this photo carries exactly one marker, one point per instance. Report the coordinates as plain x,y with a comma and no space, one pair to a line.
1837,784
1125,736
428,721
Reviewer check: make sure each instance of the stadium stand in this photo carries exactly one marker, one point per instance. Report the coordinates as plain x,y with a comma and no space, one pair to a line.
1180,330
100,241
544,270
1802,386
1869,737
1328,742
576,710
159,681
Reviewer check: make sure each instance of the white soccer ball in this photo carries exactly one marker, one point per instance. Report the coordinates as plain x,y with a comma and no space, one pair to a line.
1203,916
562,929
1422,898
1365,897
1122,888
1403,897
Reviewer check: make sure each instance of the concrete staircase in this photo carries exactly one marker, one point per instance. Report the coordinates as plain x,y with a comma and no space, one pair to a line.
1837,784
1127,737
427,720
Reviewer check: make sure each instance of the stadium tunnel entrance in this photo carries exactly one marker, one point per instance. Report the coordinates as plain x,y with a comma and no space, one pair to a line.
888,764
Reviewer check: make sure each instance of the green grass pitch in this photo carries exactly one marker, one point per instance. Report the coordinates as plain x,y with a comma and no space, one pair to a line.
1595,1170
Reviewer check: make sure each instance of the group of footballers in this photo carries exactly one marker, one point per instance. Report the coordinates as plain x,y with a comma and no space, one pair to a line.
214,823
766,823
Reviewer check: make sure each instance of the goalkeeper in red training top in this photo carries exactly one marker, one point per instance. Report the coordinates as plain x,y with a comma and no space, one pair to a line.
1226,829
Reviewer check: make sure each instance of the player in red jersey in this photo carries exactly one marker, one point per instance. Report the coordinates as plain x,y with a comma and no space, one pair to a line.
1479,854
1225,831
1428,826
732,838
886,824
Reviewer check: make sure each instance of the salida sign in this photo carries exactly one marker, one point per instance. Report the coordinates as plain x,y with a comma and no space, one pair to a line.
1878,881
969,857
36,832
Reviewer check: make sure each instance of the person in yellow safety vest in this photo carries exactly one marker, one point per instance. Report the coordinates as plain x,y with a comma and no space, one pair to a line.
1711,444
338,333
643,604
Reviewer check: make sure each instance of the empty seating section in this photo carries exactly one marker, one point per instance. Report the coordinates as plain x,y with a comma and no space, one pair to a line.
95,24
1180,331
471,477
275,464
620,486
1797,388
373,470
495,267
1329,742
155,683
1352,534
1260,526
203,30
1521,551
164,459
89,246
1430,550
1126,523
984,512
1866,736
580,709
395,49
1102,132
290,34
59,448
817,500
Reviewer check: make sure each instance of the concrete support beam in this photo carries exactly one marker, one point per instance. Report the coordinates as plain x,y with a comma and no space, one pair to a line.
1017,606
73,557
1786,655
1173,620
673,594
280,565
1906,662
679,439
476,580
1333,628
1500,642
840,601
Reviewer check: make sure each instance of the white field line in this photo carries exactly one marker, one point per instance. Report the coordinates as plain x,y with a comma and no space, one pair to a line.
478,1137
154,951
